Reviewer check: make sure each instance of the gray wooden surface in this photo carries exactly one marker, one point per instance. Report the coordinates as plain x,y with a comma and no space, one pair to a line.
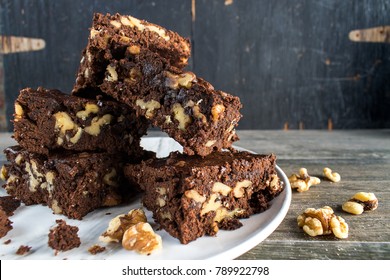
362,157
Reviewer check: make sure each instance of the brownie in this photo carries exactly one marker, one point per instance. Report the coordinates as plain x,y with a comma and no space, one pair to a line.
72,184
192,196
5,223
23,249
96,249
9,204
186,107
63,237
47,120
112,35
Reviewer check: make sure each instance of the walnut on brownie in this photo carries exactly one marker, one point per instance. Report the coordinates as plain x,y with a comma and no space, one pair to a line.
72,184
110,35
47,120
186,107
192,196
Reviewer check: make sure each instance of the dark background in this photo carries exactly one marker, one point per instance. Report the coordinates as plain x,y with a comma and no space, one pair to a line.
290,62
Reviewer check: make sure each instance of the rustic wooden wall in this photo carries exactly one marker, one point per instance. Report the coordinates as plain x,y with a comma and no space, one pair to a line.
291,62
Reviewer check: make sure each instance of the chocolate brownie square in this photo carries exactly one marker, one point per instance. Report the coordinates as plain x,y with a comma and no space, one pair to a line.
111,35
186,107
191,196
72,184
47,120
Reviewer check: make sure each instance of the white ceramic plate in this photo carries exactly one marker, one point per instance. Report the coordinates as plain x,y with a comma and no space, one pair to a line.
31,227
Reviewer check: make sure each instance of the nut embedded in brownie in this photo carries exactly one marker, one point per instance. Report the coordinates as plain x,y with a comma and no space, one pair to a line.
47,120
192,196
72,184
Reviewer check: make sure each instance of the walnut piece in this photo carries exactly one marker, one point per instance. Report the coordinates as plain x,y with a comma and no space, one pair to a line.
4,173
239,189
360,202
322,221
332,176
120,224
180,115
134,49
217,111
90,108
97,123
184,80
112,74
18,111
149,106
302,181
194,195
142,239
353,207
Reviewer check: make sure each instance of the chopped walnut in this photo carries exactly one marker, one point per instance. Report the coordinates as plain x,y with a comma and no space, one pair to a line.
322,221
332,176
142,239
302,181
217,111
360,202
120,224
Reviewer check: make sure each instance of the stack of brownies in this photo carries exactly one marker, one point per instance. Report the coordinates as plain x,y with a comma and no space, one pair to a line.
76,150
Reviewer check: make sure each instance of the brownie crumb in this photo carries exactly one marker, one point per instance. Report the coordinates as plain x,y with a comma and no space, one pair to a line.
230,224
23,250
63,237
5,223
96,249
7,242
108,213
9,204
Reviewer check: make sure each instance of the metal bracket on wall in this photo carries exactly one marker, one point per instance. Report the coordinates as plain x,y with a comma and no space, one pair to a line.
9,45
379,34
13,44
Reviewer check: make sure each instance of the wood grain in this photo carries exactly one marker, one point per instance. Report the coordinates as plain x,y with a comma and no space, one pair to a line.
362,157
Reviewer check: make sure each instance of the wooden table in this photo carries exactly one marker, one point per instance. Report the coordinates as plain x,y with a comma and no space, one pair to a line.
362,157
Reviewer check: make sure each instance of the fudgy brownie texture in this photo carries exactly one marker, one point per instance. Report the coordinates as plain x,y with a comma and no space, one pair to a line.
111,35
47,120
9,204
191,196
72,184
186,107
63,237
5,223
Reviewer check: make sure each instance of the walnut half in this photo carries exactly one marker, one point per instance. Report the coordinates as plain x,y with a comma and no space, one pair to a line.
322,221
360,202
142,239
120,224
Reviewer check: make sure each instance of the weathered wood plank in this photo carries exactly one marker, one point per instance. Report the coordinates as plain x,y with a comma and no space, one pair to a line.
322,250
369,236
